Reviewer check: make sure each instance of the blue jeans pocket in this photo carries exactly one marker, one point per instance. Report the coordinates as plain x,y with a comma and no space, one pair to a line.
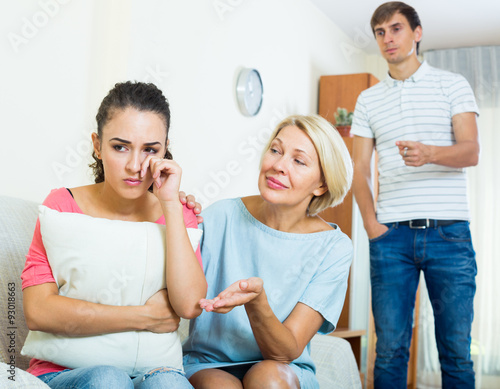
456,232
385,234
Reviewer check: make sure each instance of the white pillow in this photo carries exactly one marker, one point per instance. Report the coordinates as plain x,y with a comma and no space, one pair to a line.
108,262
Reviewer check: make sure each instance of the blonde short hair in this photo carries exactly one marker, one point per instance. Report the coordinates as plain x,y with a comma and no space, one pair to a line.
334,158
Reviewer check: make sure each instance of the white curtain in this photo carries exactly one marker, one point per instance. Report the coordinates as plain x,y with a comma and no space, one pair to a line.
481,67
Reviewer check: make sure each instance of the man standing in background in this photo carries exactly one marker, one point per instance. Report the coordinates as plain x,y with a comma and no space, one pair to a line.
422,122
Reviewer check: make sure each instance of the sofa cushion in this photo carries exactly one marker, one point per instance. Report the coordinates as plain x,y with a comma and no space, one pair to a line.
108,262
17,223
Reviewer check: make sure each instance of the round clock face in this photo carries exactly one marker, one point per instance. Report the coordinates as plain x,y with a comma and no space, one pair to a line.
249,92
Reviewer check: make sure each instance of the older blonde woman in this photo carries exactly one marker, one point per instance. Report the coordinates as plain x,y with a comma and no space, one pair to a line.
277,270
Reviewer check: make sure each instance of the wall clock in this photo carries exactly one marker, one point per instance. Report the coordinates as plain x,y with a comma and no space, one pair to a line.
249,91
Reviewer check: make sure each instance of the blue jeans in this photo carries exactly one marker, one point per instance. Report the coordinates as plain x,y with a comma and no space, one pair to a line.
446,256
110,377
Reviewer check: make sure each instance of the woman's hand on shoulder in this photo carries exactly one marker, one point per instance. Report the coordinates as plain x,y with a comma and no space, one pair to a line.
240,293
164,318
191,203
166,175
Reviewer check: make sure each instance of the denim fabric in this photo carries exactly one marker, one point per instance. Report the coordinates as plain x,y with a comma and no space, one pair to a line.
88,378
111,377
446,256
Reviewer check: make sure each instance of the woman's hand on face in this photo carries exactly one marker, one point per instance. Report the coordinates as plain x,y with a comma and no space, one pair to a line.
166,175
239,293
164,318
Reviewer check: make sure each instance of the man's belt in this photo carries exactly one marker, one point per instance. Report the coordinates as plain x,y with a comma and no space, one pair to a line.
421,224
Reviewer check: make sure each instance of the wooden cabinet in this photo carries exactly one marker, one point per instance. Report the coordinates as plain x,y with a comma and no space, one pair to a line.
343,91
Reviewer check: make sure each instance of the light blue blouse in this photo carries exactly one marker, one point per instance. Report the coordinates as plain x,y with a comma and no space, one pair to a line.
310,268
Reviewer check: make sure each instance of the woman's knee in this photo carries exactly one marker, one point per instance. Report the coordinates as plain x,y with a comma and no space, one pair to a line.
271,374
216,379
162,377
106,377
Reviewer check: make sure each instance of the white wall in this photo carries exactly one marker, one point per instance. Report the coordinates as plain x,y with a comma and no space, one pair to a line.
377,65
45,51
56,73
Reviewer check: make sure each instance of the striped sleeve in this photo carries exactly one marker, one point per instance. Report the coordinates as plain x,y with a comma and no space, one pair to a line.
461,97
360,123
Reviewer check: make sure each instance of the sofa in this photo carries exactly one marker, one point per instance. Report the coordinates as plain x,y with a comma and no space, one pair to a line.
334,359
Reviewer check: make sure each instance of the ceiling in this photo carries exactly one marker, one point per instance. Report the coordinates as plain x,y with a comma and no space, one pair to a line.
445,23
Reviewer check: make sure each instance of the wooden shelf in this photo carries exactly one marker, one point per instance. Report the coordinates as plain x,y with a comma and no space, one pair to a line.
346,333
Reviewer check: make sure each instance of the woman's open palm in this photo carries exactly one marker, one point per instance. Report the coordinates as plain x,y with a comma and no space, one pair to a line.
239,293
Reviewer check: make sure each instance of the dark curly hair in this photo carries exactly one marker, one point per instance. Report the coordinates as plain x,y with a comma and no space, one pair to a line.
139,95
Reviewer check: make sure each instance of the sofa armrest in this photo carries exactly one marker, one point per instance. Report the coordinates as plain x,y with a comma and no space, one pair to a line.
17,222
335,363
13,377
